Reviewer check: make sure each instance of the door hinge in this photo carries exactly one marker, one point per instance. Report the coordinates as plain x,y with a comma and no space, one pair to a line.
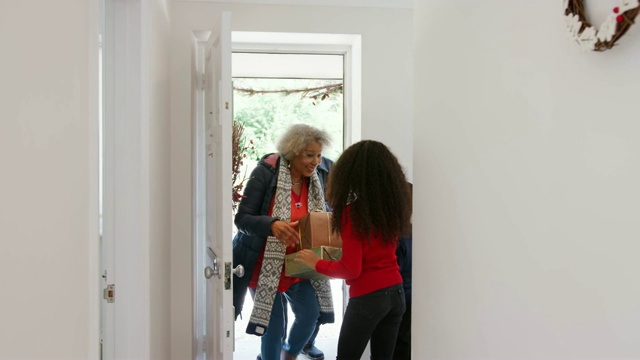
110,293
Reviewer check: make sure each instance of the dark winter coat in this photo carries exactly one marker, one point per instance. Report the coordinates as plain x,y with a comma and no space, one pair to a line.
404,255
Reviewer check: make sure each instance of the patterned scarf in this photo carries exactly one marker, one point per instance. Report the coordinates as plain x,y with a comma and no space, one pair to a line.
274,257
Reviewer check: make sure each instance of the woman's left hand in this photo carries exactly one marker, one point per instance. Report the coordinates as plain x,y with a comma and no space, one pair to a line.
307,257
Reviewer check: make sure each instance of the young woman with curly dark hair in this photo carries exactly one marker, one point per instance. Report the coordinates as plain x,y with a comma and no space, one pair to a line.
370,197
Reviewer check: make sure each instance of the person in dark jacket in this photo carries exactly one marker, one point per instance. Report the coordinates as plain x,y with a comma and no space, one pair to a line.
281,189
404,255
403,342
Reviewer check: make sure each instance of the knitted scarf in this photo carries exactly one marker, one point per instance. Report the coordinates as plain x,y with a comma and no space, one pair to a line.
274,252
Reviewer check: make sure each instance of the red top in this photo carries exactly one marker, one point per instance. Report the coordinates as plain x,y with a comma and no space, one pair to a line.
296,213
365,265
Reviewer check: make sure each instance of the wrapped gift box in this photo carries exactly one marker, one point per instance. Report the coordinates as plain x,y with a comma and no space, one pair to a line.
315,230
293,268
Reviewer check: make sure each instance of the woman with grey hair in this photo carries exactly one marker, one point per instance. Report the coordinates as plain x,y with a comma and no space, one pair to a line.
281,189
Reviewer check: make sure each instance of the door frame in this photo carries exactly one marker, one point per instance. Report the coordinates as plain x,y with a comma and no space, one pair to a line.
125,323
348,45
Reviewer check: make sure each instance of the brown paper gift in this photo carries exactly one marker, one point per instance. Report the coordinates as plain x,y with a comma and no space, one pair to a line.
293,268
315,230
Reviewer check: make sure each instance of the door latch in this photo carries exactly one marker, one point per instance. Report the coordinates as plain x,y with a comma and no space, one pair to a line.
227,275
109,293
238,271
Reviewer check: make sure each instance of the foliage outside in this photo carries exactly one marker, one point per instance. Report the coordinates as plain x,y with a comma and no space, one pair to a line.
267,115
265,108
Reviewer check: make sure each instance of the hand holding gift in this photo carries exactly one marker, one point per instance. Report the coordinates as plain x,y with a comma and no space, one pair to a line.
285,232
307,257
317,241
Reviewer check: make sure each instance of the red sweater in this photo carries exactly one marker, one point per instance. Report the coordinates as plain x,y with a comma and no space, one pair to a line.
365,266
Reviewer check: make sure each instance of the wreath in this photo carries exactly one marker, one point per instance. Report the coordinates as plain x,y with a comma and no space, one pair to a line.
604,37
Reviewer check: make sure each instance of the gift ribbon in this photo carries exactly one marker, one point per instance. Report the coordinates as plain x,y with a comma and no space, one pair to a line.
329,227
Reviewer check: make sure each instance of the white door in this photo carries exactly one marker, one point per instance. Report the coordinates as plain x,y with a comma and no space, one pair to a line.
218,229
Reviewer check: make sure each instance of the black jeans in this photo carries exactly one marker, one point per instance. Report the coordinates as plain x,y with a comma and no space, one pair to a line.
403,344
375,316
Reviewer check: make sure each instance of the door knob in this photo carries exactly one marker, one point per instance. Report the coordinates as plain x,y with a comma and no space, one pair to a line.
238,271
209,271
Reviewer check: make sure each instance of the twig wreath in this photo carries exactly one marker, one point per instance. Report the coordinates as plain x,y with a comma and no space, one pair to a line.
604,37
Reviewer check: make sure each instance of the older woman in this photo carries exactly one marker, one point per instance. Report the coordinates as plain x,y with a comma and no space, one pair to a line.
282,188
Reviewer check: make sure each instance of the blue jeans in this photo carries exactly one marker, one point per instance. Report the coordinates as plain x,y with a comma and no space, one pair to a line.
375,316
305,307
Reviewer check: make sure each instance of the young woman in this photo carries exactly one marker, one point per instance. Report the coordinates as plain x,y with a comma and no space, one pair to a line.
369,194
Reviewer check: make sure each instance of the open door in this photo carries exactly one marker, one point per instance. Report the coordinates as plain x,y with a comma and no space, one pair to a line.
218,129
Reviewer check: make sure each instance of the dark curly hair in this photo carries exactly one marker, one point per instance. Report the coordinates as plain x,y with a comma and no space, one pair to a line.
369,178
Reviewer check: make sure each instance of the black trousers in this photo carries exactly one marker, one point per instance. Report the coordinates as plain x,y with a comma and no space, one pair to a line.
403,343
375,316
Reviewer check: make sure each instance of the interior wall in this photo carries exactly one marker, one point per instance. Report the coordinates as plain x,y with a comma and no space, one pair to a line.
48,186
527,197
387,107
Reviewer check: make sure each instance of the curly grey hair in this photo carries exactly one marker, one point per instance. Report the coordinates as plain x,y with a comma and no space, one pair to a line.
298,137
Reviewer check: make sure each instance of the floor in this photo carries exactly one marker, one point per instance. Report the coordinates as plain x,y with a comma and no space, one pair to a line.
247,347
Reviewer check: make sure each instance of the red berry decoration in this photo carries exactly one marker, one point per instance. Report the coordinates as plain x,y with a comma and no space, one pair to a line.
625,16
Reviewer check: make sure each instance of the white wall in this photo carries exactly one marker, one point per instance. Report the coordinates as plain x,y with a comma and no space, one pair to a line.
527,197
387,107
49,188
48,183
